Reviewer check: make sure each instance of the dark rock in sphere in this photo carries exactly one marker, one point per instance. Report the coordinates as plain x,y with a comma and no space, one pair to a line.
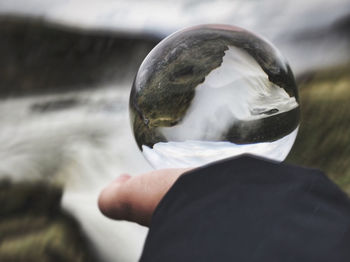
213,83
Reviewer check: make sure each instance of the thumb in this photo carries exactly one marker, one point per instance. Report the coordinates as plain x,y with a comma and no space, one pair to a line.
135,198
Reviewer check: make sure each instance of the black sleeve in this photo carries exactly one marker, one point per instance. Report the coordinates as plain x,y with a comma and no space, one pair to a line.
251,209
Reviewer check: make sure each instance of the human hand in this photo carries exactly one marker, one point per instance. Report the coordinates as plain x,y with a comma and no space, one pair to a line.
135,198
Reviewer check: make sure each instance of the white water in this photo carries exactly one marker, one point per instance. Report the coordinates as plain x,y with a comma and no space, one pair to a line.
189,154
84,147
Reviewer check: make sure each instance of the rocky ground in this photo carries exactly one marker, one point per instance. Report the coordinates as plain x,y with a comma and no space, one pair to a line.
34,228
38,57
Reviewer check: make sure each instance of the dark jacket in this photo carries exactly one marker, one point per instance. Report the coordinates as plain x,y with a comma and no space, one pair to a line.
251,209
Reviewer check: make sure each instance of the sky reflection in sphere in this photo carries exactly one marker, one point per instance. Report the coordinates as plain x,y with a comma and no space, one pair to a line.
210,92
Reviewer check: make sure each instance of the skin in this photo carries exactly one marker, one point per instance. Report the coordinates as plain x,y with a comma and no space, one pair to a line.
134,198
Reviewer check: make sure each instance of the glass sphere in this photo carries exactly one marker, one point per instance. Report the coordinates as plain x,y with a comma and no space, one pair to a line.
210,92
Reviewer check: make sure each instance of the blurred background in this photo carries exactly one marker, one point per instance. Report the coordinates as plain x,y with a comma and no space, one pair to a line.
66,69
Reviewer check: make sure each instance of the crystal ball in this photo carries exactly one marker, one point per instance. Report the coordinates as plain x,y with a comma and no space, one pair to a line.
210,92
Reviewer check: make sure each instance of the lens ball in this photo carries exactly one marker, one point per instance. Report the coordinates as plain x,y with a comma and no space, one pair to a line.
210,92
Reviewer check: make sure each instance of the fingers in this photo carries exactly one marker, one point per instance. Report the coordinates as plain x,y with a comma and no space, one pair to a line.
135,198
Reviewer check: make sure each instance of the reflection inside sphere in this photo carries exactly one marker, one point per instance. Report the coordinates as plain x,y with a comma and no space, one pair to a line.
210,92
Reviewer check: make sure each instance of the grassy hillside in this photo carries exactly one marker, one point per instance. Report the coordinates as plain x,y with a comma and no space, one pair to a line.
39,57
33,227
324,137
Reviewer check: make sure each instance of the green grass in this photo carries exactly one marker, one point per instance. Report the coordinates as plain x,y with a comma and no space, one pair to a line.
323,141
34,228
